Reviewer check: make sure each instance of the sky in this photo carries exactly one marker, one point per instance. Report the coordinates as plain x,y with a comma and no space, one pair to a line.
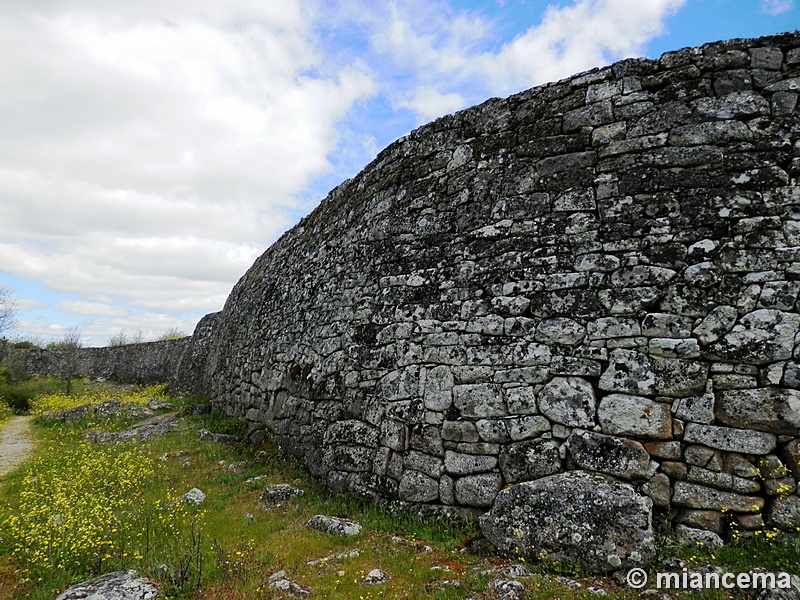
150,151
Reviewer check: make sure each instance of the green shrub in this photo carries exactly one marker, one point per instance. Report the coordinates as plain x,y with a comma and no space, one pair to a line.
17,396
18,393
25,345
173,333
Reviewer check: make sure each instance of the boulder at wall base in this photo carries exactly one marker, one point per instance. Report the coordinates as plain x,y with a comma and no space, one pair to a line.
588,518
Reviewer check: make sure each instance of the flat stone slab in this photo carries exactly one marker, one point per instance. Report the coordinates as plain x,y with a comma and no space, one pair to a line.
334,525
772,409
693,495
615,456
159,425
120,585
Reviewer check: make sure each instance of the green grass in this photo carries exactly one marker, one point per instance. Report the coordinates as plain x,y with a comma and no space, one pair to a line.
227,548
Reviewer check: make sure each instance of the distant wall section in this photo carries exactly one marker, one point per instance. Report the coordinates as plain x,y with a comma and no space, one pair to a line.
148,362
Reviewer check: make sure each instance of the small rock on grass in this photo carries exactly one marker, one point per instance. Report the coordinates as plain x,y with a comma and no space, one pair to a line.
375,577
506,589
334,525
280,581
279,492
204,435
194,496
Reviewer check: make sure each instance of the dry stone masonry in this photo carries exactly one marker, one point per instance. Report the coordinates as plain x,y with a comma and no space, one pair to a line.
597,275
590,286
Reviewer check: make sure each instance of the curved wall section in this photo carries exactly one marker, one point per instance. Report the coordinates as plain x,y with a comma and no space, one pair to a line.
598,274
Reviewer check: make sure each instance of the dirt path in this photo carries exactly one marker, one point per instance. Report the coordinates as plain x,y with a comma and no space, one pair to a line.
16,443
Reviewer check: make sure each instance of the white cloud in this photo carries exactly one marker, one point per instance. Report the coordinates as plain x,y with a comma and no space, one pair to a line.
89,308
152,150
447,51
776,7
429,103
571,39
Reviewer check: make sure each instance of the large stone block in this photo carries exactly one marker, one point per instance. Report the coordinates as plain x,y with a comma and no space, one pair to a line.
693,495
761,337
560,330
399,384
717,323
438,394
478,490
352,432
456,463
729,439
622,414
724,481
569,401
791,457
636,373
479,400
418,487
606,454
784,513
528,460
594,520
772,409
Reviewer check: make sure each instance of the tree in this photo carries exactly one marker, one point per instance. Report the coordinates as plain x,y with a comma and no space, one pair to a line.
7,321
8,307
119,339
70,346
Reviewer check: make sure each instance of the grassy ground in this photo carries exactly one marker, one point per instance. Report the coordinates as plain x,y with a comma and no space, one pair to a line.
114,508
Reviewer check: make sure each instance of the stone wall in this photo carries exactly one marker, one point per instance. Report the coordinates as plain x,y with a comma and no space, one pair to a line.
148,362
599,274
